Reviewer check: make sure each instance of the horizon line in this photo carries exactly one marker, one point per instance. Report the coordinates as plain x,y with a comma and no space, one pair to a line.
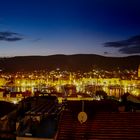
68,55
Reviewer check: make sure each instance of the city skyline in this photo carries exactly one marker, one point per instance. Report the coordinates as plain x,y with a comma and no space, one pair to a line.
48,27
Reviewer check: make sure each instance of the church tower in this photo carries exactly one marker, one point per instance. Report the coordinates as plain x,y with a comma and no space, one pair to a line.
139,71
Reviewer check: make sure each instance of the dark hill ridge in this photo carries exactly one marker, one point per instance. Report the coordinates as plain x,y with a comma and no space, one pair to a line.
82,62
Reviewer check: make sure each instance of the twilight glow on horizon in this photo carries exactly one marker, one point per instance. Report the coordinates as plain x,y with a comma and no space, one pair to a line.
47,27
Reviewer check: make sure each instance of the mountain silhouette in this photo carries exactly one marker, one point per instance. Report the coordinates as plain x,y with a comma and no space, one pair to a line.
77,62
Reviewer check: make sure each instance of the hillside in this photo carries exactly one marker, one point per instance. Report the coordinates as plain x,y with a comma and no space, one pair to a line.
82,62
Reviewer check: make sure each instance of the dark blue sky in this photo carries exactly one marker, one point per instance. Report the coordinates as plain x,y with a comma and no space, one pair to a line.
45,27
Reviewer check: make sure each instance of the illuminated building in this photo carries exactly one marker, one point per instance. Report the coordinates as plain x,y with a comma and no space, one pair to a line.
73,83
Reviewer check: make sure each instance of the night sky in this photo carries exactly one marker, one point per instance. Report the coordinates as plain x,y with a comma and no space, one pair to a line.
47,27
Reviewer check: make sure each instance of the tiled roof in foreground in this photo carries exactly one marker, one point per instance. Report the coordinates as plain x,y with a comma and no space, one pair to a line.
100,125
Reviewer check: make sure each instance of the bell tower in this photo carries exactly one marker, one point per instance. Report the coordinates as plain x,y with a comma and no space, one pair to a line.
139,71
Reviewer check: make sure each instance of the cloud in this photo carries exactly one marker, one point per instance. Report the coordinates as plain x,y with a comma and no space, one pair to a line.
128,46
106,53
10,36
130,50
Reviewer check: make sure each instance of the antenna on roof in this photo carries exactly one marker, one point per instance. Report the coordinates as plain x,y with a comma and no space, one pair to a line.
82,116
